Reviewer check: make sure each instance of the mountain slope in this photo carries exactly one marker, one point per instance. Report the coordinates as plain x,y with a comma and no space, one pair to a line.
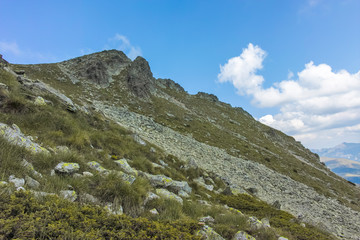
107,90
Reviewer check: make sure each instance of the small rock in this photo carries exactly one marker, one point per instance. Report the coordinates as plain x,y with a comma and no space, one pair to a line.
265,222
67,168
200,181
169,195
3,183
303,224
52,173
124,165
183,194
69,195
114,209
39,101
20,189
88,198
255,223
157,165
30,168
207,220
180,186
97,167
150,196
153,150
163,163
154,211
62,149
139,140
3,86
158,180
282,238
130,179
208,233
87,174
32,183
18,182
241,235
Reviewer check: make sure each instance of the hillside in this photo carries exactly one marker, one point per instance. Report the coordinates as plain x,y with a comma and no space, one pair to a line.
100,130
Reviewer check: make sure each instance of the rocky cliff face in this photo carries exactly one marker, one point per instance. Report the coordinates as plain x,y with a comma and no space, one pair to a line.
200,130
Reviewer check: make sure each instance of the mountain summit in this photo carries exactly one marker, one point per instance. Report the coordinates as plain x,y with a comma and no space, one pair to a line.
101,130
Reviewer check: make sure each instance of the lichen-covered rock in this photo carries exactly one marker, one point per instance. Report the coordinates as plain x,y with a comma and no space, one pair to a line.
62,149
154,211
241,235
158,180
3,86
67,168
18,182
115,209
255,223
208,233
39,101
130,179
265,222
97,167
32,183
169,195
124,165
200,181
207,220
3,183
180,186
29,167
88,198
14,135
69,195
183,194
150,196
87,174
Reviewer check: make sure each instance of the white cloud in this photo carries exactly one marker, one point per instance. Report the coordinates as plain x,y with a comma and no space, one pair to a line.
9,47
122,43
321,107
241,70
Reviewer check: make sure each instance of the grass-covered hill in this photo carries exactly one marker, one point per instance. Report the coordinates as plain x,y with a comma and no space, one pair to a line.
96,148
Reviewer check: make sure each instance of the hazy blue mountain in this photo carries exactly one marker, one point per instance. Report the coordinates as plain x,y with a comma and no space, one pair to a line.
349,151
348,169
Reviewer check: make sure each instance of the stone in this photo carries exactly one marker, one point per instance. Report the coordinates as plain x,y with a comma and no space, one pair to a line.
150,196
200,181
3,86
39,101
209,233
29,167
169,195
276,204
255,223
139,140
3,183
32,183
18,182
130,179
14,136
52,172
87,174
67,168
282,238
115,209
69,195
97,167
265,222
124,165
62,149
180,186
241,235
20,189
183,194
155,165
191,164
207,220
158,180
154,211
163,163
88,198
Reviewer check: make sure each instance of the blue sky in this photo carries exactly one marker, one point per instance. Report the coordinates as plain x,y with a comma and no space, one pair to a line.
292,64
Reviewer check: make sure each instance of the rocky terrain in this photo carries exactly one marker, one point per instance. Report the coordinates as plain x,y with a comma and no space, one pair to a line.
193,149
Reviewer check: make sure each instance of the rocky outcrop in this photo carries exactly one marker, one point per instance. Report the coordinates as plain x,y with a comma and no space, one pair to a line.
140,79
14,135
96,68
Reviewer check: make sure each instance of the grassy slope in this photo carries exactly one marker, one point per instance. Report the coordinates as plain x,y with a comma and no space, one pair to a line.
54,126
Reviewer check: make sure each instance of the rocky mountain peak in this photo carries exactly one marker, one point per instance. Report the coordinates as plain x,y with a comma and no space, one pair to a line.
140,78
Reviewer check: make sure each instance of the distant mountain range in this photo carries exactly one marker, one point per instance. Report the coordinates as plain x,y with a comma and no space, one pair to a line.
343,159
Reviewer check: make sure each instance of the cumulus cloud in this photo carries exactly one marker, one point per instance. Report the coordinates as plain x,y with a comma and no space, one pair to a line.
122,43
241,70
317,106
